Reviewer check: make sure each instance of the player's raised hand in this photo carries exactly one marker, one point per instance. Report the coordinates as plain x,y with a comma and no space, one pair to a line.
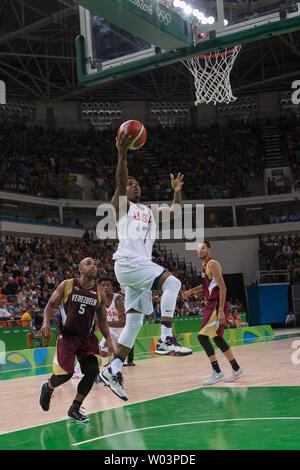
122,142
177,183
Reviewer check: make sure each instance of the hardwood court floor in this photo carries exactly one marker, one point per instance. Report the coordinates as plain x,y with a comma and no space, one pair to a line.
164,392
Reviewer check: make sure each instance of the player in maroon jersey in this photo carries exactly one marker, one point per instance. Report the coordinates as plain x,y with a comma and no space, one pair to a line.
79,300
215,314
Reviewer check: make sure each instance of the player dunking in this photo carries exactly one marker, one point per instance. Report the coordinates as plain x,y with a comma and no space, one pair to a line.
214,316
136,272
78,300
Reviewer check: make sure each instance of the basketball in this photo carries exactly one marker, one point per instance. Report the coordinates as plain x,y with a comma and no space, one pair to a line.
137,131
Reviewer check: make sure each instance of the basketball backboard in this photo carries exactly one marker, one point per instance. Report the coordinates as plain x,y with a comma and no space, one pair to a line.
120,38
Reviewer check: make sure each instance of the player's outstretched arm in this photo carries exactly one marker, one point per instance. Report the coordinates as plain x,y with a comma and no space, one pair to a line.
190,292
122,144
176,184
54,301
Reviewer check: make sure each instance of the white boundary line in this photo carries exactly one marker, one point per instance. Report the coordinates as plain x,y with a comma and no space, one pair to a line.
183,424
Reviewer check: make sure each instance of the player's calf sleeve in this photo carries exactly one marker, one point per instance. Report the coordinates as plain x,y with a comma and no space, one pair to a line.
221,343
170,288
90,370
134,322
206,345
57,380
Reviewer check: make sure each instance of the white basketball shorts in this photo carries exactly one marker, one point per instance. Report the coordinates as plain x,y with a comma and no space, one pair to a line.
137,276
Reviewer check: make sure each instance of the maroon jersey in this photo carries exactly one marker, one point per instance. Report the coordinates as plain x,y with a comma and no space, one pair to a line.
78,308
209,284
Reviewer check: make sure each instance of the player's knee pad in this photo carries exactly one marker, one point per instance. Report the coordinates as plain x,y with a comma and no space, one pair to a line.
134,322
221,343
170,288
206,345
172,284
90,369
90,366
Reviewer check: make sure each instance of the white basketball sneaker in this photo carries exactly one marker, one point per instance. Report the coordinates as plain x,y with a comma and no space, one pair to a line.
215,377
235,375
170,347
115,382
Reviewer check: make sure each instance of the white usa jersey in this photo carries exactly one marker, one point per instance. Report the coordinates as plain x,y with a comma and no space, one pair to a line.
136,233
112,313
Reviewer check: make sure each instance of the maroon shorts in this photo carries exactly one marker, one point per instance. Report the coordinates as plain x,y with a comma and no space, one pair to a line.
210,324
69,347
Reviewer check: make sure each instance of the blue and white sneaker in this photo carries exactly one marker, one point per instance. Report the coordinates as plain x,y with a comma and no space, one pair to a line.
170,347
115,382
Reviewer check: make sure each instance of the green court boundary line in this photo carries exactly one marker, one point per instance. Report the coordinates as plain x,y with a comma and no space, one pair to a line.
185,424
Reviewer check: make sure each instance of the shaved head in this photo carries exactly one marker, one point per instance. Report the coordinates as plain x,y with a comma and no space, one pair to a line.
85,261
88,268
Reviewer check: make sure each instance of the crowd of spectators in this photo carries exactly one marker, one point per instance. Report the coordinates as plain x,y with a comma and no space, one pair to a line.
282,253
31,268
290,145
218,161
281,217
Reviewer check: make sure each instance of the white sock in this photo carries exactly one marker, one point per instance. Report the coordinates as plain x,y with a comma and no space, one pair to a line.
165,331
116,366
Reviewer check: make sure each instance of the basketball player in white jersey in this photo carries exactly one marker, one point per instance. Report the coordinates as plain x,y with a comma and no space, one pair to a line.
136,272
116,319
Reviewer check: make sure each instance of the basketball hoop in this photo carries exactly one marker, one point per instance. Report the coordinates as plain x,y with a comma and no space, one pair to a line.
212,75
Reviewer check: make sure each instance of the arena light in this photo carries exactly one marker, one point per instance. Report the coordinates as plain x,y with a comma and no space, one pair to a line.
177,3
210,20
188,10
225,22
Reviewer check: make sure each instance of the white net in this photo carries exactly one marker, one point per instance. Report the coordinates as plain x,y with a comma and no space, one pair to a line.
212,76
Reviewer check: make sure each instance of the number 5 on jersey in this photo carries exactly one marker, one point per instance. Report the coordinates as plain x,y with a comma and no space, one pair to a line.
81,309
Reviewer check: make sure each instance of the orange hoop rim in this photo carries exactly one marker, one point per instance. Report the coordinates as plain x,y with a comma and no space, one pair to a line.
219,54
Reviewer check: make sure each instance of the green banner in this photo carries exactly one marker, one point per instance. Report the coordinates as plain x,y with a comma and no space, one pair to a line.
15,338
32,360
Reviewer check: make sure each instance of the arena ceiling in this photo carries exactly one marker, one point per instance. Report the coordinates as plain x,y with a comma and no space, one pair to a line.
38,60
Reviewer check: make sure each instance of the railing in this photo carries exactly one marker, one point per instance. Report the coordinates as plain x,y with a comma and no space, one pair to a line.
267,277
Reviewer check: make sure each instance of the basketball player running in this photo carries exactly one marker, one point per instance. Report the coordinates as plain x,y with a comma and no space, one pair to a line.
136,272
116,319
78,301
214,315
